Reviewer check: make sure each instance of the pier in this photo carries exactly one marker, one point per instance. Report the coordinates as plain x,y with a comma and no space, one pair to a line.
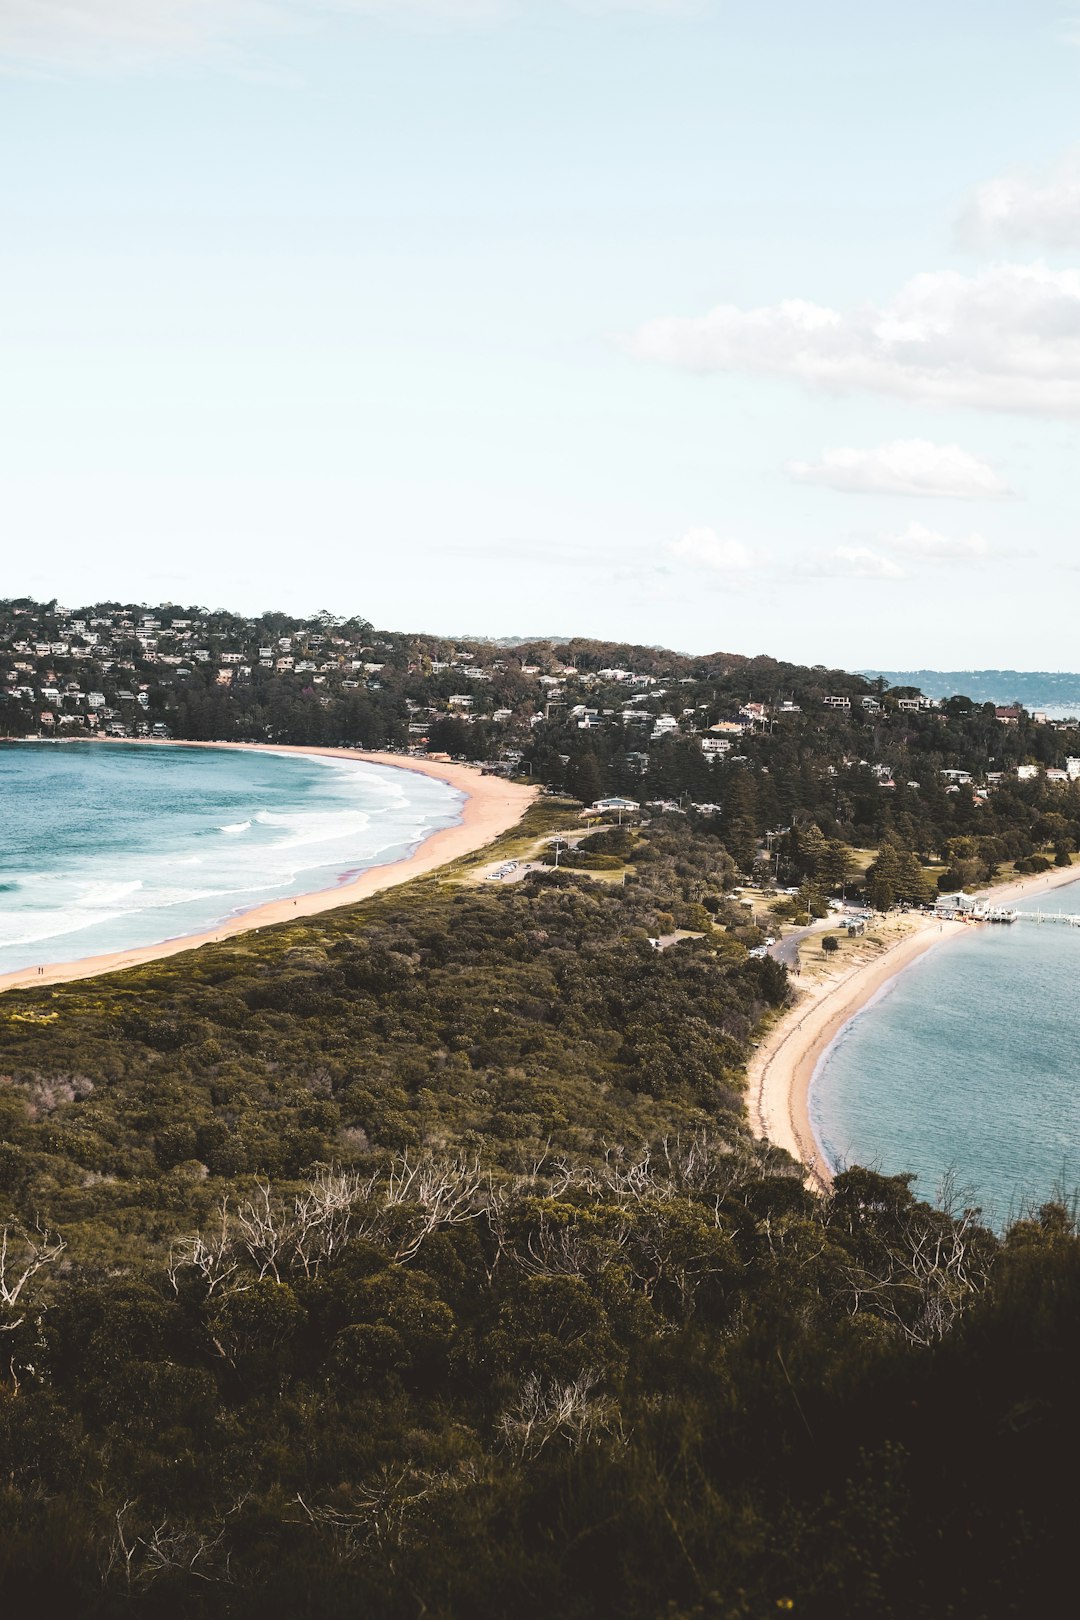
1072,918
982,913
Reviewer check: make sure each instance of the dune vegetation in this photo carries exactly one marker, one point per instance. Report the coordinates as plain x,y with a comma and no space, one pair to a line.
417,1260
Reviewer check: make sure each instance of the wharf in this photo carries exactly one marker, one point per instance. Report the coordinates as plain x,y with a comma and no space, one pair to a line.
1071,918
1007,915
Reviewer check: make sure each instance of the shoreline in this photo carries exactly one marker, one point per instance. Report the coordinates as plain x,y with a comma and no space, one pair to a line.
492,806
782,1067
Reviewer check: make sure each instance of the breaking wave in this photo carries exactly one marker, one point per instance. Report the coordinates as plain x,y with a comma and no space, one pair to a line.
110,830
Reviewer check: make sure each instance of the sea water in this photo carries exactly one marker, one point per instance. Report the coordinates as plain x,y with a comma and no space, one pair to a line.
108,846
968,1065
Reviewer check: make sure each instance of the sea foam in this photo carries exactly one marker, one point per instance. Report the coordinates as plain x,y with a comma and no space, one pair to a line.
105,832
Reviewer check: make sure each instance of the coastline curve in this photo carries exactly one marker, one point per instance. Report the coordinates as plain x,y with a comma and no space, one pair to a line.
783,1065
491,807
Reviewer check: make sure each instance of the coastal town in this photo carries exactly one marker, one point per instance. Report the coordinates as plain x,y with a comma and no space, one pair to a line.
587,716
539,811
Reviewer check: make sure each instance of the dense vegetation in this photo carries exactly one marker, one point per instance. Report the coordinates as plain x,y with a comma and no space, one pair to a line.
939,785
417,1261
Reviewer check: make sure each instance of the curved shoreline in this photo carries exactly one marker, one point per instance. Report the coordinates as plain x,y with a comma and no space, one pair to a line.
492,806
782,1067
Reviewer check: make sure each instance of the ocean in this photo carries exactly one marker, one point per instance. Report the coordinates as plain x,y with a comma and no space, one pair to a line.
967,1064
108,846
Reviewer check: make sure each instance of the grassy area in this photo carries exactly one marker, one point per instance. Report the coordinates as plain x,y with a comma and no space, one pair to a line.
815,961
522,842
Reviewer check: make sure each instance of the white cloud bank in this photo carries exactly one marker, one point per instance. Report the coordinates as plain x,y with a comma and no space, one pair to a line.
1006,339
917,541
704,548
1024,206
904,467
891,557
44,35
851,562
125,33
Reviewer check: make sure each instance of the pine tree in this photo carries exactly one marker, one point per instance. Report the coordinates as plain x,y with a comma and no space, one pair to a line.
883,879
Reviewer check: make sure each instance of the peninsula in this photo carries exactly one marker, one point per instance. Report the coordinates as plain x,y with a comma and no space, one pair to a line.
403,1218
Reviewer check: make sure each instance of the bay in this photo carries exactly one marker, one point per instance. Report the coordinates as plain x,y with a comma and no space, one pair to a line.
969,1063
104,847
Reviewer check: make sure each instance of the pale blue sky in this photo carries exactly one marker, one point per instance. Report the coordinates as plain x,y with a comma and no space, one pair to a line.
404,309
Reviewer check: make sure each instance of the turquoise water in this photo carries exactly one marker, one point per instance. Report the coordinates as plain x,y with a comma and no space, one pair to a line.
967,1062
108,846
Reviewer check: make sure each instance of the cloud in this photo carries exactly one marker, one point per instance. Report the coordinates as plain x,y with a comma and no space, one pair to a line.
890,557
917,541
1023,205
128,33
1006,339
851,562
125,35
704,548
904,467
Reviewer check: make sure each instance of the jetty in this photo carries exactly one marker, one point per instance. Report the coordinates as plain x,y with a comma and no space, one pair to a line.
977,908
1071,918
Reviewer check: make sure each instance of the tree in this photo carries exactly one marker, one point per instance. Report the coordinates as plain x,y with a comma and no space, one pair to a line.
583,778
883,878
448,735
808,850
913,883
836,864
252,1329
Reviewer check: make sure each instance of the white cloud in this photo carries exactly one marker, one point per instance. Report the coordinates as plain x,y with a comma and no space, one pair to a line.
904,467
919,541
704,548
125,33
851,562
45,35
1006,339
659,8
1022,205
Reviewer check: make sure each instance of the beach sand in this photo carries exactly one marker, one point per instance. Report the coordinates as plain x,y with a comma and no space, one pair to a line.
492,806
782,1066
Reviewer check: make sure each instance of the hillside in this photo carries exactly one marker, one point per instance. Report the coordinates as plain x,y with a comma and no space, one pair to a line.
418,1259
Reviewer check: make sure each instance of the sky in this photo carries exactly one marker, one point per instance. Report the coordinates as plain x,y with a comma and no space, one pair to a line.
719,325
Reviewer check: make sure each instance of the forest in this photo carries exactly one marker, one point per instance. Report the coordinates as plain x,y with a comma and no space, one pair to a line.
940,785
416,1260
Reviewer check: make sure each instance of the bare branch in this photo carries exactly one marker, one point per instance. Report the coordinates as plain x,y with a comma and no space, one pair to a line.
24,1251
544,1411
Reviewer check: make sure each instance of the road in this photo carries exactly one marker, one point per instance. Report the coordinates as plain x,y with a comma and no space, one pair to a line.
786,950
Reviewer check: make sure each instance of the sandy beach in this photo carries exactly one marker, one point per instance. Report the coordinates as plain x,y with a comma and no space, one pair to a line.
492,806
782,1067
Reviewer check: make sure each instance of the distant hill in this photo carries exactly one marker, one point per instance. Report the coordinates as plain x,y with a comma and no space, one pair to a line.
1034,688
